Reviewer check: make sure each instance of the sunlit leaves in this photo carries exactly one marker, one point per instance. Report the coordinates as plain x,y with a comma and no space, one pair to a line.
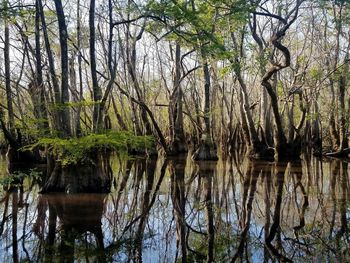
79,150
17,177
205,25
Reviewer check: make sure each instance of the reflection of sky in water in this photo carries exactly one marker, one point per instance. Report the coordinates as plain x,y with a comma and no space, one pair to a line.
159,237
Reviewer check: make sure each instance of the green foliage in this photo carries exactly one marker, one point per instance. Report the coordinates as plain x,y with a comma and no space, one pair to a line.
316,73
16,178
280,90
75,150
2,140
29,127
13,12
312,116
202,25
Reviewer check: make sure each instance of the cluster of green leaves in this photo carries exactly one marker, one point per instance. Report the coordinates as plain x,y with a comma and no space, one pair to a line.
200,24
16,178
2,140
80,150
12,12
29,128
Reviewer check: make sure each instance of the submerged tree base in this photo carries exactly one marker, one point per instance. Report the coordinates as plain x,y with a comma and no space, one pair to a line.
287,152
80,178
178,146
262,152
207,151
15,156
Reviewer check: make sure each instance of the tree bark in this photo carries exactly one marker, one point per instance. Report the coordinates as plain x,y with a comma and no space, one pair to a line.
39,105
177,137
78,130
207,149
57,93
10,114
97,92
283,150
63,36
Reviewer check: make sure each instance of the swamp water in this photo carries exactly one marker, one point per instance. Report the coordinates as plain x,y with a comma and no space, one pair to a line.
184,211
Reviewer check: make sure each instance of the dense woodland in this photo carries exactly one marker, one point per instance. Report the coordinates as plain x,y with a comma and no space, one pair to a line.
174,130
169,76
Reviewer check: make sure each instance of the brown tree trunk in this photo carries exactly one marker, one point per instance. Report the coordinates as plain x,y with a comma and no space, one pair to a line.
57,94
76,129
112,66
177,142
77,125
10,114
283,150
39,105
343,140
81,177
96,89
256,148
207,149
63,36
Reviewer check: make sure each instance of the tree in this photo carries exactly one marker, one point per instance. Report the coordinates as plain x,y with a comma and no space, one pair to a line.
63,36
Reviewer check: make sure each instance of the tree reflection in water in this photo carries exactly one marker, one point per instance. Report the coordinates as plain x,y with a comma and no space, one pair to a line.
177,210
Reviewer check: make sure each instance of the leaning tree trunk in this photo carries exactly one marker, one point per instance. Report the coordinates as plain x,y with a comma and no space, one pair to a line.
283,149
256,148
14,140
265,109
112,68
131,61
51,64
40,110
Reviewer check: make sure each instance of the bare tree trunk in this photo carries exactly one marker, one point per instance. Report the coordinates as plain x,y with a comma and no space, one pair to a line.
132,72
39,105
63,36
75,94
97,92
112,66
207,149
121,122
265,109
78,130
343,140
10,114
177,136
256,148
57,94
282,148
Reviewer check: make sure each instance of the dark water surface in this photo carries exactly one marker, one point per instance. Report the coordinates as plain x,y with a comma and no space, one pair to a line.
181,211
